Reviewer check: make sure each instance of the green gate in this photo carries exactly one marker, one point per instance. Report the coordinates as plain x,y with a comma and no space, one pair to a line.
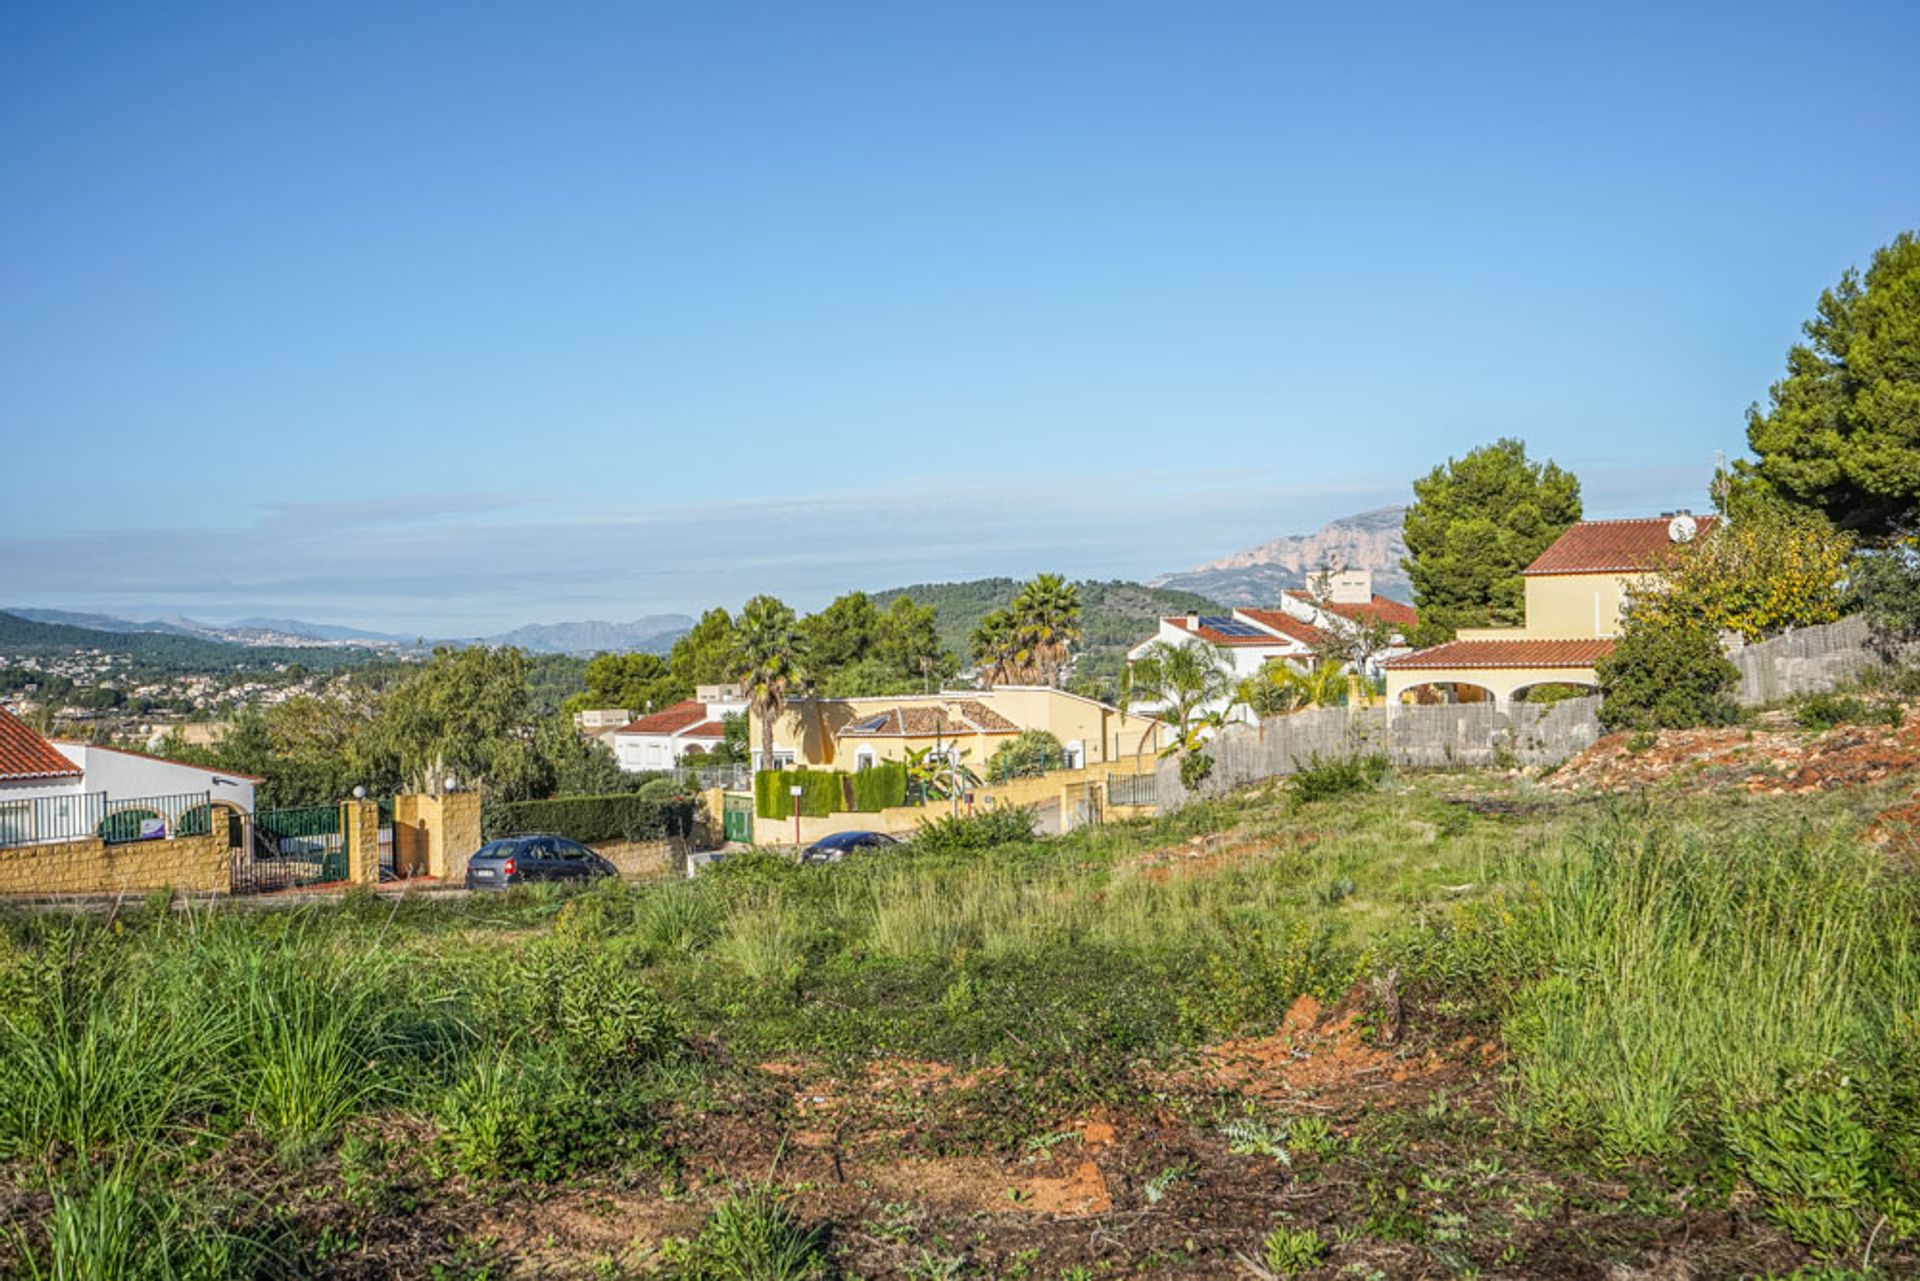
292,848
736,812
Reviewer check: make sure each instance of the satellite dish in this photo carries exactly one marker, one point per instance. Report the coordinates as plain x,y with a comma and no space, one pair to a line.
1682,528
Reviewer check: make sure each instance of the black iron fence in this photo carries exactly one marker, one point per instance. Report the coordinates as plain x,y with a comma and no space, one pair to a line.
78,816
1130,789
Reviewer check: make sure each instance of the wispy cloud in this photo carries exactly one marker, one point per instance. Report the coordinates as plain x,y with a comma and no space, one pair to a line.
462,564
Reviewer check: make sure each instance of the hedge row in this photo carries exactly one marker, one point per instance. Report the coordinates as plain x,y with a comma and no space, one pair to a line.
624,817
878,787
825,792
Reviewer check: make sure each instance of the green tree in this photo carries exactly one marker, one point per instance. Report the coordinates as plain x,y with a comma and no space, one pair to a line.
1841,432
1046,621
1667,671
906,640
707,655
641,683
1475,523
577,766
1176,682
467,713
841,634
770,662
999,650
1028,754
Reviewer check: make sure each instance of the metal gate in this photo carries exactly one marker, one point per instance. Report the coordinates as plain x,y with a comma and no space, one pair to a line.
289,848
736,813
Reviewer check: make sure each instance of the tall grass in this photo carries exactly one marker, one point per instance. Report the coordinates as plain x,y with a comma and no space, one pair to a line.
1691,977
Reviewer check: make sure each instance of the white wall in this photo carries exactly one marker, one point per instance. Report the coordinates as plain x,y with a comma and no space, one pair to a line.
123,774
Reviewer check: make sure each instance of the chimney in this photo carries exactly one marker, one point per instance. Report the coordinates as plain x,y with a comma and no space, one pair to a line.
1351,587
1193,622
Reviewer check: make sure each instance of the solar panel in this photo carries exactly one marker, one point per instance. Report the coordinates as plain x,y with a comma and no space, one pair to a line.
875,722
1231,627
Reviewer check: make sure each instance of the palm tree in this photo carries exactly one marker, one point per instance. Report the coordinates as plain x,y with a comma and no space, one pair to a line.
1046,616
771,663
996,648
1180,680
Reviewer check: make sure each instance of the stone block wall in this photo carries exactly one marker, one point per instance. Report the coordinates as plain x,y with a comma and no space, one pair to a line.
197,864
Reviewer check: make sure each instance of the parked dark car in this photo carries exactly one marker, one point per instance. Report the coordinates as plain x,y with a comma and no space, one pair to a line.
521,860
831,849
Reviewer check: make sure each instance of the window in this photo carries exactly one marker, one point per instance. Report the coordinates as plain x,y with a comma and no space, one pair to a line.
863,759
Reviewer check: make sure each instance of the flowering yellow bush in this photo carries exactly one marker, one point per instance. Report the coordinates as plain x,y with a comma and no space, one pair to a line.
1756,577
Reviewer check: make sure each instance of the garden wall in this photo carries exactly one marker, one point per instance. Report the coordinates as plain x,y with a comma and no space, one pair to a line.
1810,660
1413,737
198,864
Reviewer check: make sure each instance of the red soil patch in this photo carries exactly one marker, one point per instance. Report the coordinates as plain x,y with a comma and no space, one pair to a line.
1769,762
1074,1186
920,1078
1316,1055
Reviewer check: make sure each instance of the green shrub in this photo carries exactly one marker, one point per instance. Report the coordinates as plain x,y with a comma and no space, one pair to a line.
1824,711
1196,767
751,1236
966,833
1029,754
879,787
1288,1251
1666,673
1328,776
514,1115
1808,1156
822,792
622,817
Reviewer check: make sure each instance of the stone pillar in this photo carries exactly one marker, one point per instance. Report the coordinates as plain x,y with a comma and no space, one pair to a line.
409,837
453,833
360,827
711,832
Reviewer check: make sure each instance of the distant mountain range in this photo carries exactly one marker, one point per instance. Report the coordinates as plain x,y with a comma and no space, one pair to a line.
654,634
1370,540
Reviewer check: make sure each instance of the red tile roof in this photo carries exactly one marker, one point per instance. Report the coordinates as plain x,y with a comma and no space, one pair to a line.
1611,546
1393,612
25,755
706,729
968,716
668,720
1287,625
1504,653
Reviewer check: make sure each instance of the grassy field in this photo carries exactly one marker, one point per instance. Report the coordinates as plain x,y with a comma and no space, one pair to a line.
1451,1025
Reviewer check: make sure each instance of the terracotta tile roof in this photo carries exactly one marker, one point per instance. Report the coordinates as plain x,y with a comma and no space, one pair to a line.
1611,546
1287,625
1386,608
669,720
967,716
24,754
1504,653
706,729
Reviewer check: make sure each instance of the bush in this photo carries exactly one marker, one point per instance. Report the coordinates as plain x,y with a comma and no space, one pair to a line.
1824,711
587,819
879,787
1029,754
822,792
512,1116
1196,767
751,1236
1323,777
967,833
1666,673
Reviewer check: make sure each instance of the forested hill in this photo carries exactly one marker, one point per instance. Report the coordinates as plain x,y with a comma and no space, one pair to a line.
1117,614
162,651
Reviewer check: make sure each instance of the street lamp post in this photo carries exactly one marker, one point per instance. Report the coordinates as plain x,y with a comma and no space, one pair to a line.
794,792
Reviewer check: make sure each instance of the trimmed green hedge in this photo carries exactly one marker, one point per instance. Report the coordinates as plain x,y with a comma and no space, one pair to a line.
821,793
879,787
624,817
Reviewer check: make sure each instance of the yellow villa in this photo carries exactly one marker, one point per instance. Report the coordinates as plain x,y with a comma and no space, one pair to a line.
853,733
1576,593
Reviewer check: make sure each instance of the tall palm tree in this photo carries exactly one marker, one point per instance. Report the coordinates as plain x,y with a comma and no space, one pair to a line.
1179,680
771,664
996,648
1046,615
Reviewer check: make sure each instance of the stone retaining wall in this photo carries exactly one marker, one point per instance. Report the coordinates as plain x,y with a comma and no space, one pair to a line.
197,864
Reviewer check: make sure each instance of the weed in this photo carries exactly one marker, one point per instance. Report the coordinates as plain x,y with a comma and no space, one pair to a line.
751,1236
1288,1251
1323,777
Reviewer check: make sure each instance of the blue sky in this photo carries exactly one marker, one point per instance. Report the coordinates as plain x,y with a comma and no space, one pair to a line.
450,317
